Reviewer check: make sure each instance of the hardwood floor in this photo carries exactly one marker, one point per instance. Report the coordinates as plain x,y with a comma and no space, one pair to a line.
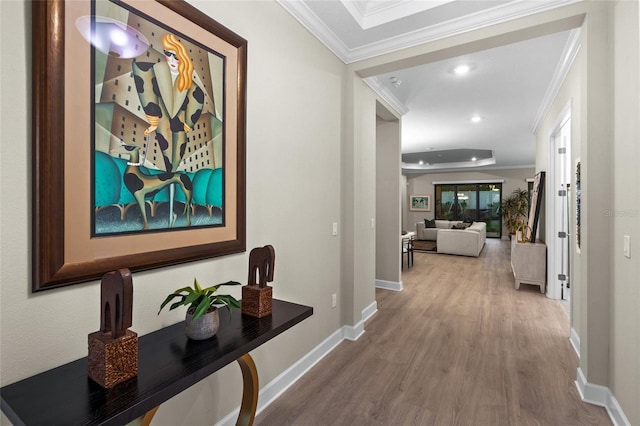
459,346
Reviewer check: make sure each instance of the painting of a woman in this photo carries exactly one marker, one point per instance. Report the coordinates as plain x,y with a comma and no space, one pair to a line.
172,102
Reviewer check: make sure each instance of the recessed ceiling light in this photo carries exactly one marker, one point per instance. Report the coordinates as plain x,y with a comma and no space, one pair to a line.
462,69
473,158
476,119
421,162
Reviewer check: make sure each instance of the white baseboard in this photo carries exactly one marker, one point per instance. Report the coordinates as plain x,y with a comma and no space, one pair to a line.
353,332
369,311
389,285
616,414
272,390
574,339
601,396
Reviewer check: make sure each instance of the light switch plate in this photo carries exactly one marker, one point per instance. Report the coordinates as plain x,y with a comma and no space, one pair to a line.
335,229
627,246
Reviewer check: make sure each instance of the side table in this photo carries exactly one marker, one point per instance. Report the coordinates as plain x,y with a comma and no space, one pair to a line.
168,363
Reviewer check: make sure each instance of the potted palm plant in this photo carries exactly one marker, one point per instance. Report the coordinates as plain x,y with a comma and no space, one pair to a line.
202,320
514,209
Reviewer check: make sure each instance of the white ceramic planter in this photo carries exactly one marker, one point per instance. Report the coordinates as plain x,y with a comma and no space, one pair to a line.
204,327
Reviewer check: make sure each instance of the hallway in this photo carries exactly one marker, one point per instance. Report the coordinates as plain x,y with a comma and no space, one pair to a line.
458,346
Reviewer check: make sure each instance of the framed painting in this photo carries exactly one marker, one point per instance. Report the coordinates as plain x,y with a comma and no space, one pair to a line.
420,203
138,138
534,208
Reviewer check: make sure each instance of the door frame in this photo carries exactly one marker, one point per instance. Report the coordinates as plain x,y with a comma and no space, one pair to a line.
554,255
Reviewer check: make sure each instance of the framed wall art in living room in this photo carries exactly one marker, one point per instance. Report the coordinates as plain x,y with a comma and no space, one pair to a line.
139,115
420,203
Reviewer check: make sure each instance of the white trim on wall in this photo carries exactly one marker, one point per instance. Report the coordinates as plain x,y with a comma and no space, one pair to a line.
272,390
574,339
376,85
601,396
568,56
353,332
389,285
369,311
491,16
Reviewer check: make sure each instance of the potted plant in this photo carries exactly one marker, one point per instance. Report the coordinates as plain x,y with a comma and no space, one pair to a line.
514,209
202,319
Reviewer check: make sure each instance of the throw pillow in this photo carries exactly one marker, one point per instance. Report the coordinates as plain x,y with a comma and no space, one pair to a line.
469,221
429,223
461,225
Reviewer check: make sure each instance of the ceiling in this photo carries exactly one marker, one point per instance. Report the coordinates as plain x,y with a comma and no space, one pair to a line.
509,88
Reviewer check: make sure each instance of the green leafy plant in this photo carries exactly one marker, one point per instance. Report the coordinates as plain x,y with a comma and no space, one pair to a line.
201,300
514,209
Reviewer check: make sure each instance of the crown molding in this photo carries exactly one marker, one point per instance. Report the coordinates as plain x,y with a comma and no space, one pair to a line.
569,54
301,12
376,85
492,16
371,13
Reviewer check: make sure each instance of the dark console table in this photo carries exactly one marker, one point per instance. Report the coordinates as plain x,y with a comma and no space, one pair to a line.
168,363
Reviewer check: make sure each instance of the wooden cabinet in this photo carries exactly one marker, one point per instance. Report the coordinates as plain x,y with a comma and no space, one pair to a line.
529,263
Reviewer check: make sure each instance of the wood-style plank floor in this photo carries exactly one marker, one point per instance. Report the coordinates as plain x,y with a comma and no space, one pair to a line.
459,346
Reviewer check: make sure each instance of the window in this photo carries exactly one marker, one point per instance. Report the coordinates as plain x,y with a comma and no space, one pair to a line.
479,202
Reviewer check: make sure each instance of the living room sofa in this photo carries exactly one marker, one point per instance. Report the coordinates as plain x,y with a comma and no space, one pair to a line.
463,242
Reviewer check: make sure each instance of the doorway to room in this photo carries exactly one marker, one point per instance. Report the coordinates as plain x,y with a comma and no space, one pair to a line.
559,210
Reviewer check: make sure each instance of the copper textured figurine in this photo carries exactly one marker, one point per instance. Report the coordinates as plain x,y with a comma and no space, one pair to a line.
257,296
113,351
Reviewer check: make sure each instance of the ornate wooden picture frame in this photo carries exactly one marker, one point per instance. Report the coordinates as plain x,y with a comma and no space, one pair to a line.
69,132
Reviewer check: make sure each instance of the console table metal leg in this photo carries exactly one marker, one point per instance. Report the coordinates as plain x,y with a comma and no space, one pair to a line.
250,389
146,419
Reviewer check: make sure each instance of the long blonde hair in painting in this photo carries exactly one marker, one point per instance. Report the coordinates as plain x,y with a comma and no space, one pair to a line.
185,66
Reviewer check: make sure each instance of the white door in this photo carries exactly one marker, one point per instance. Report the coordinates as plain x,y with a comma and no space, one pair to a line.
561,185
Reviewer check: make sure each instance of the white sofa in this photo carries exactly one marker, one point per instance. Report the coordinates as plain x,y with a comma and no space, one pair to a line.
463,242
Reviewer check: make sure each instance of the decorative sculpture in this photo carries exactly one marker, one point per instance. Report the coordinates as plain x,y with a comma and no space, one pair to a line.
113,350
257,296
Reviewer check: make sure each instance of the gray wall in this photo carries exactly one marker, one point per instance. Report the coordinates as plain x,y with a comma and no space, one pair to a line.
294,133
624,212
